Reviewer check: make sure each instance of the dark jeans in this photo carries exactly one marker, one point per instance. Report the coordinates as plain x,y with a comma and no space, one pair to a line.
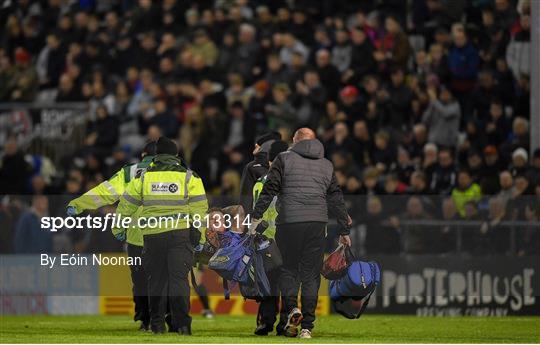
140,286
167,259
302,248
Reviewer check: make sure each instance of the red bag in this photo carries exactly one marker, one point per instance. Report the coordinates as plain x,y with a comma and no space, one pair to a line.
336,264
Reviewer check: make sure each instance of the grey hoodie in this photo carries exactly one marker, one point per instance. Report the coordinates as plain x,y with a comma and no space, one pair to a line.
306,187
312,149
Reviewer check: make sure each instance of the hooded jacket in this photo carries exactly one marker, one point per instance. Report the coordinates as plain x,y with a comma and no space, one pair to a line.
253,171
306,187
442,121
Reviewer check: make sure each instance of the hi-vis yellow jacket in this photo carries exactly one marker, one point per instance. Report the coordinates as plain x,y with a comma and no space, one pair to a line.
170,197
271,213
109,192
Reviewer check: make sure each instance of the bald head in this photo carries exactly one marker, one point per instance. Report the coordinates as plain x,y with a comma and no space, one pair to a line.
303,134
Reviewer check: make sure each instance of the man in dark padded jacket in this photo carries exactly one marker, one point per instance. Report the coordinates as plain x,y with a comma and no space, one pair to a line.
306,187
255,169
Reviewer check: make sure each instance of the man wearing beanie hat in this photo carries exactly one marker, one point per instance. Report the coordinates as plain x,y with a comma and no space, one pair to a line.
171,198
108,193
269,306
256,168
166,146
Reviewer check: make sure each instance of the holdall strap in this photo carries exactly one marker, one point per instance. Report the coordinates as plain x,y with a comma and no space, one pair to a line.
351,315
253,263
193,280
255,276
365,303
258,268
259,264
349,255
226,290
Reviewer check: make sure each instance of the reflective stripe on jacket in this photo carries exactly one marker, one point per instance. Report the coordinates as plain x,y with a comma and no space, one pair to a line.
271,213
108,192
170,197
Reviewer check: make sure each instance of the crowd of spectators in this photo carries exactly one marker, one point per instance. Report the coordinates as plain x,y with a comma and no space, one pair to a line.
423,105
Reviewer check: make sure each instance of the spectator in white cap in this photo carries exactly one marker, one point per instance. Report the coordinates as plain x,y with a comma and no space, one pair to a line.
520,160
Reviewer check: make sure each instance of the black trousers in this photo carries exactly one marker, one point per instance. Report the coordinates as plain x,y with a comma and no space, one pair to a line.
269,306
167,259
302,248
140,286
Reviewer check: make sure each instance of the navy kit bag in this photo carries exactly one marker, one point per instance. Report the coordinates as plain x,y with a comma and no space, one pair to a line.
231,261
240,262
257,285
351,292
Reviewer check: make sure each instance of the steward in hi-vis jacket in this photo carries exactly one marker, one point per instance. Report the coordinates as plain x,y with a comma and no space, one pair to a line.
107,193
172,201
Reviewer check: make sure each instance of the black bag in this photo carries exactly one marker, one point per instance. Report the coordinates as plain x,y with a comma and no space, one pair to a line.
205,254
272,258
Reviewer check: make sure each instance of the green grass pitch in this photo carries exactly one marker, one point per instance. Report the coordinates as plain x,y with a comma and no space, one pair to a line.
238,329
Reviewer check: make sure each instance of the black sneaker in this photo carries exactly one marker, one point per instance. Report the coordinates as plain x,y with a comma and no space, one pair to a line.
280,328
158,329
169,324
263,329
293,321
144,327
185,330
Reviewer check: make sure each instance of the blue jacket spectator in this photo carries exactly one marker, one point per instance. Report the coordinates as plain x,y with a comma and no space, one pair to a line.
463,61
30,238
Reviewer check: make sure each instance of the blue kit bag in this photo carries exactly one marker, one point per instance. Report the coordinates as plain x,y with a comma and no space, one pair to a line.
257,286
351,293
240,262
231,261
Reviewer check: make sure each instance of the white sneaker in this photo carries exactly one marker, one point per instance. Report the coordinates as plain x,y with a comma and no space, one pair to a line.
207,313
305,334
293,321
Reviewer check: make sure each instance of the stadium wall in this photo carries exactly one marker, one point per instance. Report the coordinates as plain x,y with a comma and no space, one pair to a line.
428,285
421,285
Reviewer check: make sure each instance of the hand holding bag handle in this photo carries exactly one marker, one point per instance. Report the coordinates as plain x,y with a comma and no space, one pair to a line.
336,264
